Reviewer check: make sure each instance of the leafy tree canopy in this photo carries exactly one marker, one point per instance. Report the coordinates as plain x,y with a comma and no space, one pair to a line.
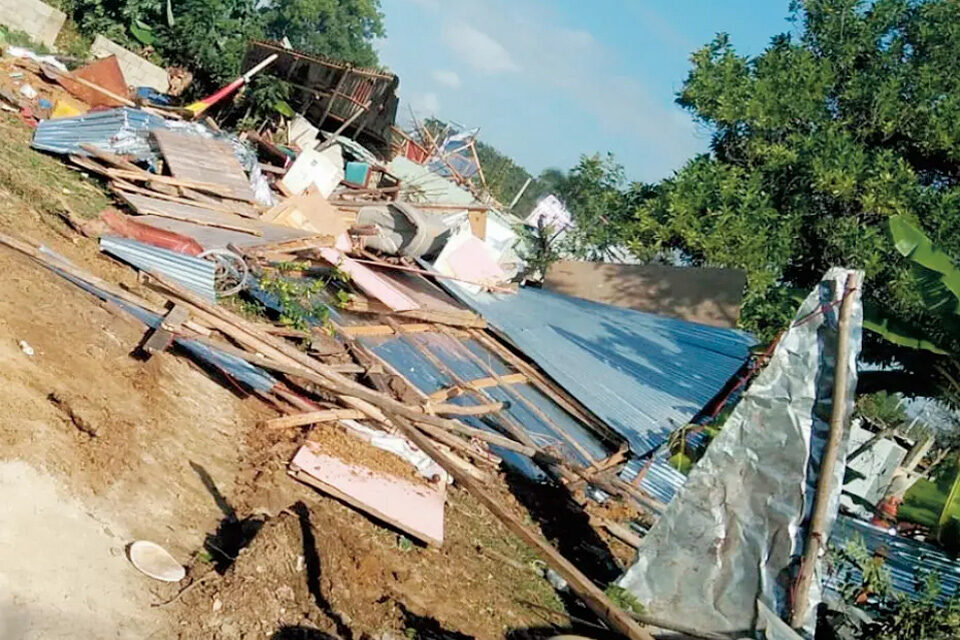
210,36
816,144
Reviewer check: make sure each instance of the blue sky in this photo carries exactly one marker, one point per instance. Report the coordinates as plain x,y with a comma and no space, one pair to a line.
550,80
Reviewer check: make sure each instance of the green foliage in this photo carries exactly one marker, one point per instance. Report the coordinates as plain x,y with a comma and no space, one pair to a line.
875,579
332,28
211,36
922,619
537,248
595,192
897,617
882,408
20,39
817,144
299,300
624,599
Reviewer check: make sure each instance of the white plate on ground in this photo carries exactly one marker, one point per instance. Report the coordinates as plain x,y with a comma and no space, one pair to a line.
153,560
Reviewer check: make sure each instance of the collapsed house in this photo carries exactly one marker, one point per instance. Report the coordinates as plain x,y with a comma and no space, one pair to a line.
388,310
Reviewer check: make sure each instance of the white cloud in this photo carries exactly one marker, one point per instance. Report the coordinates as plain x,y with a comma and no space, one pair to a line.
447,78
527,55
424,104
478,49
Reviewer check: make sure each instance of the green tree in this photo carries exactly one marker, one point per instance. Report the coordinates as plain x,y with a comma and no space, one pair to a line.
816,143
211,36
602,206
336,28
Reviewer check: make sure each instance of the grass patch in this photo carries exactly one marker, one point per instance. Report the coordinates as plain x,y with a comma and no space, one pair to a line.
925,500
71,43
21,39
44,184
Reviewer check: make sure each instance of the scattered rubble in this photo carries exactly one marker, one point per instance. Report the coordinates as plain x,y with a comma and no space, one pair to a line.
366,305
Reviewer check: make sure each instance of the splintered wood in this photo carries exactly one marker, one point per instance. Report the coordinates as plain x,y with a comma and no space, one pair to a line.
204,160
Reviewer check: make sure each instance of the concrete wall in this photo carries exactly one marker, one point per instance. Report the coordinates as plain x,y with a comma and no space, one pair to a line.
137,71
38,20
874,468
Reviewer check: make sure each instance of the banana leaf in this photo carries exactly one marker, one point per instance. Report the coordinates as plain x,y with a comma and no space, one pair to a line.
896,331
934,270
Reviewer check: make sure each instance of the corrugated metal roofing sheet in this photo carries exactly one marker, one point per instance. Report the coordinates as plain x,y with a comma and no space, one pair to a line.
559,431
118,130
908,561
193,273
642,374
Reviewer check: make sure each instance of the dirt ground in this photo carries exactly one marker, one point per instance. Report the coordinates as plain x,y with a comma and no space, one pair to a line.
99,448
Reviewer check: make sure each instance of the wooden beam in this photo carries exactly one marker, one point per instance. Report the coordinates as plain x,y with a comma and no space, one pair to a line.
386,330
143,176
313,417
839,416
479,383
161,337
201,204
471,410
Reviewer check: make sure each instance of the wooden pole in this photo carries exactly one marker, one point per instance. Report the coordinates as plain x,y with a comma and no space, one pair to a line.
333,136
816,537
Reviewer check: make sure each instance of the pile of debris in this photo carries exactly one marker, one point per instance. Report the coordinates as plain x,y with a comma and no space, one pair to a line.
322,241
374,297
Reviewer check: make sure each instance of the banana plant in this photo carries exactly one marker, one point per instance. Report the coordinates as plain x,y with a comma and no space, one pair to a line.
939,287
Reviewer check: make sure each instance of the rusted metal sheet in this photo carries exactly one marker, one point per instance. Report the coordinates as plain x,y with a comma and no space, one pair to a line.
104,73
703,295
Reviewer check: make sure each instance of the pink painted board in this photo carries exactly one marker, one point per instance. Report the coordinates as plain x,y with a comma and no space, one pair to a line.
415,509
369,281
471,261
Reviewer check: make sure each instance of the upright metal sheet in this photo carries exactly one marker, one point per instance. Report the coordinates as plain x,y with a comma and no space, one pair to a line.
642,374
734,533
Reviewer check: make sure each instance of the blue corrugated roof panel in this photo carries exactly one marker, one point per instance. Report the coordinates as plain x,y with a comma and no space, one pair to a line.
644,375
561,432
907,561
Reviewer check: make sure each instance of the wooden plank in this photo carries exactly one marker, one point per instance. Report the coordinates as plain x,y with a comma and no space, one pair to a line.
313,417
88,164
471,410
386,330
161,337
143,176
291,246
205,160
479,383
360,304
112,159
201,204
148,205
416,509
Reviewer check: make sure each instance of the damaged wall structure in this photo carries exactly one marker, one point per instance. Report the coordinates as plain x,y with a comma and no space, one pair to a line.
38,20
